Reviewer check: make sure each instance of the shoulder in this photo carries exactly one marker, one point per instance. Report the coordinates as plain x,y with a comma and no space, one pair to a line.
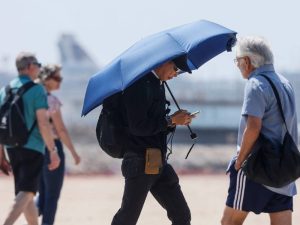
53,101
146,79
257,83
2,94
286,83
37,96
142,82
2,91
37,89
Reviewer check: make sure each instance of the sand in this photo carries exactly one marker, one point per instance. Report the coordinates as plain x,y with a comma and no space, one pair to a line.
91,200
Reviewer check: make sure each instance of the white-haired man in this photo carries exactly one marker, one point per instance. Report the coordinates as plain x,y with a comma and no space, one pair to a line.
260,114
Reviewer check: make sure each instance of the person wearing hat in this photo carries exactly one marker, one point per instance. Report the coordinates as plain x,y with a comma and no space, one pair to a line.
51,181
27,160
144,166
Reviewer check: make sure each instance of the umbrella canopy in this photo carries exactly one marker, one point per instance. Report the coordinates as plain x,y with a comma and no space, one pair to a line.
200,41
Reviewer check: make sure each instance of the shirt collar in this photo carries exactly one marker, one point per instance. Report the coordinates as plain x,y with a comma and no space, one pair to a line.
155,74
262,69
24,77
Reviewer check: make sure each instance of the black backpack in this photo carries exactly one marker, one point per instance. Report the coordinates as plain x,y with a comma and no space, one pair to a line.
111,130
13,129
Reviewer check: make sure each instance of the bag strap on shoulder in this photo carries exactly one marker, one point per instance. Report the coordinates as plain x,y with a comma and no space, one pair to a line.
22,91
7,92
25,87
277,98
7,89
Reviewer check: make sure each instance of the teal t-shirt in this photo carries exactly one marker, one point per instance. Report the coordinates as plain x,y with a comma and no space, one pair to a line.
34,99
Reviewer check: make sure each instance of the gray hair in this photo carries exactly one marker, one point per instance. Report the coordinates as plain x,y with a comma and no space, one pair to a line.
256,48
24,59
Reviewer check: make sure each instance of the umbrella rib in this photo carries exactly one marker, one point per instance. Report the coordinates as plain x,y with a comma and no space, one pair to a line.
176,42
180,47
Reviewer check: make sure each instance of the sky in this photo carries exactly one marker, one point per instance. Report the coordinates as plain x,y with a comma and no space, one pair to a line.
107,28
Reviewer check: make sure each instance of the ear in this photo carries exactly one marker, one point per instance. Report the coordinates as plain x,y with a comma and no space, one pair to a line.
248,64
247,61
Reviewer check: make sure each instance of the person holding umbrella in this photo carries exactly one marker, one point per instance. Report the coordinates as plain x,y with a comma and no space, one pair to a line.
138,75
144,166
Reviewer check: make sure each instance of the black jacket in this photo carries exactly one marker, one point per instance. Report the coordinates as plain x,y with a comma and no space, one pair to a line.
144,112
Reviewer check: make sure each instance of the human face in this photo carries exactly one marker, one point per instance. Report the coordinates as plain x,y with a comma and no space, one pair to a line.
34,69
53,82
242,63
57,78
166,71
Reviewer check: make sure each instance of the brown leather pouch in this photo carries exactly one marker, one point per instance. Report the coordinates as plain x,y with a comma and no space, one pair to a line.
153,161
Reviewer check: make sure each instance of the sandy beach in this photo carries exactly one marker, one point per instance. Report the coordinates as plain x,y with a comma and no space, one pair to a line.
93,200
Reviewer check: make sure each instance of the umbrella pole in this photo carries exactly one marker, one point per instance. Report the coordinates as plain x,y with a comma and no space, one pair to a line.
192,135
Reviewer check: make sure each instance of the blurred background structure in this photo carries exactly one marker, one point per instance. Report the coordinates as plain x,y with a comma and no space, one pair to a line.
84,36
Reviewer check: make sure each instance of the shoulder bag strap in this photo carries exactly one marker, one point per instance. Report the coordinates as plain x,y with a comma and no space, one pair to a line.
277,97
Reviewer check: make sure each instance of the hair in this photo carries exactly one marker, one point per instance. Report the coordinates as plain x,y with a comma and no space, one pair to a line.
24,59
48,71
257,49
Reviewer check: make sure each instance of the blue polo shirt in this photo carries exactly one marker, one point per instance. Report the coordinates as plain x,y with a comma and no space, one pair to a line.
34,99
260,101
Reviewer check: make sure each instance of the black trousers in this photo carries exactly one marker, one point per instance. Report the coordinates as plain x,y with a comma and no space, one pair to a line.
164,187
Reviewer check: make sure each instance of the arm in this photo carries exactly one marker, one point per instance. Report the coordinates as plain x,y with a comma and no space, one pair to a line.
1,153
4,164
63,133
44,127
138,100
250,135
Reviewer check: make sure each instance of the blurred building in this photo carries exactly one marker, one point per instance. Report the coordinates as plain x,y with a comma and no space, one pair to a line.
219,100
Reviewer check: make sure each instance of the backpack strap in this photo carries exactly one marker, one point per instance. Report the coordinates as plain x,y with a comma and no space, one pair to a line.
7,89
22,91
25,87
7,92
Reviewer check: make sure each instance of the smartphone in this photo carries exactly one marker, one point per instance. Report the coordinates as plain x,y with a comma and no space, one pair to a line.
195,113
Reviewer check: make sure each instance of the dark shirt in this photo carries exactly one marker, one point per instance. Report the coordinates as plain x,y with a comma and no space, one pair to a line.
144,113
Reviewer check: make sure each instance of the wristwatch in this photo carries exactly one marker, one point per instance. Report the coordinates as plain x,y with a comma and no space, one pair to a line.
53,150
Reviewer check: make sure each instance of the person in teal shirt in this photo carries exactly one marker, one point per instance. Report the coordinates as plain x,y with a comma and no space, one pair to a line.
27,160
34,99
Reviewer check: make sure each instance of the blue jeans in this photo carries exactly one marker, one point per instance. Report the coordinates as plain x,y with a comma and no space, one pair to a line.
50,186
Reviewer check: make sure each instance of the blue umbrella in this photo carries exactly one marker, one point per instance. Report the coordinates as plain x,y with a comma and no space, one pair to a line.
200,41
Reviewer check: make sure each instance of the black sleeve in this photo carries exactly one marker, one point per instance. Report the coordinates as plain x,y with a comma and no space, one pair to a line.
137,101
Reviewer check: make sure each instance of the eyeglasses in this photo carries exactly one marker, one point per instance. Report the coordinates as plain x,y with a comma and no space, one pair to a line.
56,78
39,65
236,60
